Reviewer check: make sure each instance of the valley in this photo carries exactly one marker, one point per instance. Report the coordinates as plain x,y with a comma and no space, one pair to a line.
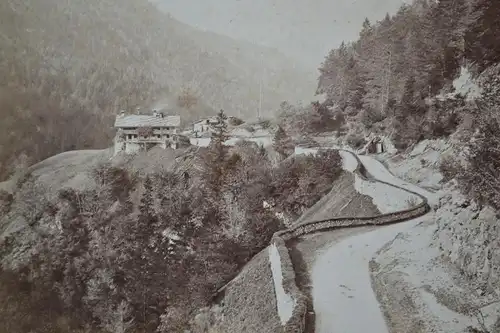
157,177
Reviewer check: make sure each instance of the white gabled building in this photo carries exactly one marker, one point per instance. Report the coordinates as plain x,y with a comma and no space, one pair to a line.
137,132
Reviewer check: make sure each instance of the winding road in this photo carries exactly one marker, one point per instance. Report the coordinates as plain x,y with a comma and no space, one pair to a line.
343,298
339,280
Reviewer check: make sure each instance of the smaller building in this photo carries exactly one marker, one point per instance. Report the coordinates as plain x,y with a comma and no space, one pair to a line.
137,132
205,125
375,146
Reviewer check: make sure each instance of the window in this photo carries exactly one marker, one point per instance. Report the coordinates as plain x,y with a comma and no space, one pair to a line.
158,136
208,121
168,136
134,136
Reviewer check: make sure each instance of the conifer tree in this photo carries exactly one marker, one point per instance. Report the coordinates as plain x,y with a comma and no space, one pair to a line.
482,38
220,134
217,155
282,143
146,204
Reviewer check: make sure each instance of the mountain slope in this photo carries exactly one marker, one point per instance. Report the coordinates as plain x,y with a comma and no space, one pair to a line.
135,35
78,62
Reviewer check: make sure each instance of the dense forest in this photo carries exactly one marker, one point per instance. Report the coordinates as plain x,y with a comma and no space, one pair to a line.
389,74
396,79
142,252
66,68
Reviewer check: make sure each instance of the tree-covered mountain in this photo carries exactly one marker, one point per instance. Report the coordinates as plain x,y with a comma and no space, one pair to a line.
397,79
398,62
387,76
78,62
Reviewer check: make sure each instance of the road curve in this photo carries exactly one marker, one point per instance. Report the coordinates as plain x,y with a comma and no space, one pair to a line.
342,294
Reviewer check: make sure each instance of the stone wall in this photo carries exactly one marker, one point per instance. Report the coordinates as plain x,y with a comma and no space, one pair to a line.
296,324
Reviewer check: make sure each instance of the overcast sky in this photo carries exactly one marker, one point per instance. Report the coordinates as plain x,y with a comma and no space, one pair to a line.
303,29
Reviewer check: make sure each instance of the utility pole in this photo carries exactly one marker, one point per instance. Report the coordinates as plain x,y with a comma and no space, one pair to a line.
260,88
260,99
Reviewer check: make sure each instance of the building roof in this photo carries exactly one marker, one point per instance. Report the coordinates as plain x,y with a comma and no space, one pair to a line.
211,120
139,120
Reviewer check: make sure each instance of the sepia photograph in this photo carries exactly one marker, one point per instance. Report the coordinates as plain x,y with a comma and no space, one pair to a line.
249,166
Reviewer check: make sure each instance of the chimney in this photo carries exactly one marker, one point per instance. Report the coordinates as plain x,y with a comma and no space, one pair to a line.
122,113
155,113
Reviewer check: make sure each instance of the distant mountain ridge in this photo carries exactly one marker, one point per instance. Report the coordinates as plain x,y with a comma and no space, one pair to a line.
79,62
135,35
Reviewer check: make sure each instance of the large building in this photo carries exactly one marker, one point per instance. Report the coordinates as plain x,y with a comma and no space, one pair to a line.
137,132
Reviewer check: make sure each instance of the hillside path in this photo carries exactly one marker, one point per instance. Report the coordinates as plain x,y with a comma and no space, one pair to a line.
343,297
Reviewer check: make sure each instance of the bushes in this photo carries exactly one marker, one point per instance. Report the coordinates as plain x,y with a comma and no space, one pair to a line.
234,121
301,181
29,307
371,117
479,178
265,124
282,143
355,140
145,246
449,168
32,200
6,199
119,181
134,250
314,118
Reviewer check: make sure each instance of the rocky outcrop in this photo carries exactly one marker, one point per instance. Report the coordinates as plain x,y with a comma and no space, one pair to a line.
469,237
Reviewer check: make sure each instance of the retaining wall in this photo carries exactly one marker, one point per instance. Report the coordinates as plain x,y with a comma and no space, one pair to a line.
296,324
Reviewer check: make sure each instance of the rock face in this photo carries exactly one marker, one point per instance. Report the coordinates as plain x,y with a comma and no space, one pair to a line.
442,275
445,273
467,234
420,166
469,237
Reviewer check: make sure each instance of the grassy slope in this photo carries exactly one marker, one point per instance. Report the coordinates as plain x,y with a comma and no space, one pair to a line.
350,203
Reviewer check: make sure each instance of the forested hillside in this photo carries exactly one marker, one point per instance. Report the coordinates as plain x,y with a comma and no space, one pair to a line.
78,62
396,80
134,252
386,78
